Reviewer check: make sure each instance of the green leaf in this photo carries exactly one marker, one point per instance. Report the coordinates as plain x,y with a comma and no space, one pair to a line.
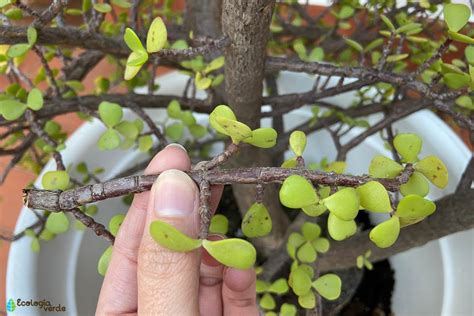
435,170
257,221
214,64
408,146
395,58
18,50
169,237
345,12
55,180
456,81
307,300
115,223
297,192
102,7
233,252
321,245
336,166
91,210
267,302
456,16
300,281
174,110
57,223
306,253
415,207
354,45
316,55
12,109
235,129
328,286
298,142
145,143
360,262
386,233
219,224
122,4
202,82
314,209
290,163
264,137
197,130
288,310
310,231
188,118
131,71
374,197
157,36
461,38
137,58
417,184
465,102
469,53
408,27
174,131
344,203
47,235
296,239
4,3
127,129
110,113
339,229
35,99
32,35
383,167
261,286
104,260
35,245
109,140
279,287
221,111
387,22
132,40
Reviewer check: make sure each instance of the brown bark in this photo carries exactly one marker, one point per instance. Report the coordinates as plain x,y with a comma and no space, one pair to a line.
247,23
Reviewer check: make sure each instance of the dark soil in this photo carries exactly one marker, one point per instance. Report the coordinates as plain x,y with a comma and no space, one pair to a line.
374,293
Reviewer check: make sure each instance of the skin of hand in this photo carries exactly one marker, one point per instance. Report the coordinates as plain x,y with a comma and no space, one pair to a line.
145,278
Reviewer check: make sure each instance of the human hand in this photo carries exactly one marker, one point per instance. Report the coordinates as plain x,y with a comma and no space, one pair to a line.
146,278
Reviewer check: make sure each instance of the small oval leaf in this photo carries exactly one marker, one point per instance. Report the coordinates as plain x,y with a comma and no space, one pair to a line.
344,203
435,170
339,229
374,197
386,233
328,286
414,207
233,252
104,260
257,221
157,36
169,237
297,192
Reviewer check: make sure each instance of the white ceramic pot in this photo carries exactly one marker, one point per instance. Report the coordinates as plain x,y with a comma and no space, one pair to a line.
431,280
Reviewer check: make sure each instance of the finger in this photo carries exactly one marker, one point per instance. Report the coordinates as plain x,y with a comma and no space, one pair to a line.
119,289
167,280
238,292
210,283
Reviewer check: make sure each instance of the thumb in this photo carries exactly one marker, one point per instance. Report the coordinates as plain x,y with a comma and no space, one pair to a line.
168,282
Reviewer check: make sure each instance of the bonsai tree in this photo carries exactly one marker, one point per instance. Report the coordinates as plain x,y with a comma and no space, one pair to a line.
299,218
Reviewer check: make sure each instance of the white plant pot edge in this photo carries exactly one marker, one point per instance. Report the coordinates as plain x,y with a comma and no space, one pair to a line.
21,275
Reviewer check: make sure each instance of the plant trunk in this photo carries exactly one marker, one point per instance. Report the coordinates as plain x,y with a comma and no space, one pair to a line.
247,23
